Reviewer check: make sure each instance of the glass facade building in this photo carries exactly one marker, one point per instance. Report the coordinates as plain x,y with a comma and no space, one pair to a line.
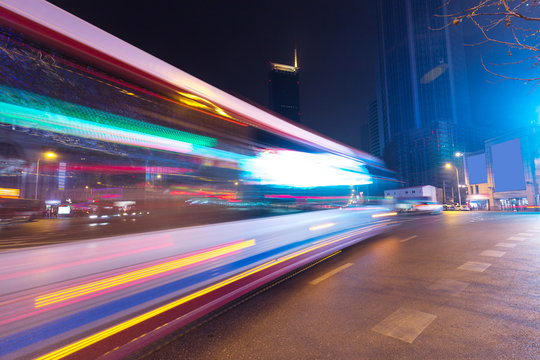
423,91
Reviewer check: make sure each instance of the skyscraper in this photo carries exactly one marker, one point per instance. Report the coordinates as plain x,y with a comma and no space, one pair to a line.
422,91
374,129
284,89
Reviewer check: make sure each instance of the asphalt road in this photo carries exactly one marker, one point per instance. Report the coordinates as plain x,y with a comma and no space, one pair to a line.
453,286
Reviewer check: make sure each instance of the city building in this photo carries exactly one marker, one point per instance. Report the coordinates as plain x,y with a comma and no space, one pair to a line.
426,192
374,132
284,89
423,94
506,174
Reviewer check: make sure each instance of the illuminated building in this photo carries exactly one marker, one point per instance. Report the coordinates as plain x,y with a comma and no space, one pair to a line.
506,174
284,89
422,91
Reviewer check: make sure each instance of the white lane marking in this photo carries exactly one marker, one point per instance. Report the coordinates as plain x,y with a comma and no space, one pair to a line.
493,253
330,273
409,238
474,266
516,238
524,234
506,245
452,287
404,324
533,230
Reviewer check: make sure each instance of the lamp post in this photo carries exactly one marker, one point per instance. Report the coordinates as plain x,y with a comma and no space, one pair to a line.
48,155
449,166
461,155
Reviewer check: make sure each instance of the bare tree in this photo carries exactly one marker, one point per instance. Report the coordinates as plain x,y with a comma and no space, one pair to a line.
514,24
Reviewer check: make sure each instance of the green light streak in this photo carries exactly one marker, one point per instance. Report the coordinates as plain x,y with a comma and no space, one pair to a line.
43,120
50,107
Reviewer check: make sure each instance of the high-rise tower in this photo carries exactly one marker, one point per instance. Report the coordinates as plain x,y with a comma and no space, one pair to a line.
284,89
423,90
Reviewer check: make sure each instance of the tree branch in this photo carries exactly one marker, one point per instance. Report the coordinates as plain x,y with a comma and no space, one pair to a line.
487,15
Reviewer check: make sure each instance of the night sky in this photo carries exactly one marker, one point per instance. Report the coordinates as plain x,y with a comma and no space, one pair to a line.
503,104
230,45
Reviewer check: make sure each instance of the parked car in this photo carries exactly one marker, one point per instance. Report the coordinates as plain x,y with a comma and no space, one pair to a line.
463,207
447,207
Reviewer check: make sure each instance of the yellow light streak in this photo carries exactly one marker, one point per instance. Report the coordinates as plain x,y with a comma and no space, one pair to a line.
81,344
195,101
323,226
88,288
384,214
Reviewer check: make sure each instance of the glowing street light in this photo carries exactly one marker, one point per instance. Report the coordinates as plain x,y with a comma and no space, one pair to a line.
49,155
458,154
449,166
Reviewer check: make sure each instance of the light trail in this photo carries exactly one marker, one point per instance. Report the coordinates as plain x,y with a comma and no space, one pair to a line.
116,281
83,343
47,121
384,214
82,262
322,226
83,114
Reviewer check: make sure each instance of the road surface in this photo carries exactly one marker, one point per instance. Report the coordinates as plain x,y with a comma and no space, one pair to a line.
455,286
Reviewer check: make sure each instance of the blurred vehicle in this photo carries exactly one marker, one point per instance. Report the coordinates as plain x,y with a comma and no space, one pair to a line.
19,210
417,206
448,207
428,207
463,208
404,206
135,140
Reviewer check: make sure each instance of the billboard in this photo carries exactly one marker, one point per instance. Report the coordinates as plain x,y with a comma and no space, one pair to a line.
508,171
476,168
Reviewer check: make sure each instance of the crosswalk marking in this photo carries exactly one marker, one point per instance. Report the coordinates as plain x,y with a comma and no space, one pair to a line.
493,253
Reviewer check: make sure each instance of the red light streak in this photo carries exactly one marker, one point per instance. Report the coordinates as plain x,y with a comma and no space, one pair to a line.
82,262
305,197
214,194
119,169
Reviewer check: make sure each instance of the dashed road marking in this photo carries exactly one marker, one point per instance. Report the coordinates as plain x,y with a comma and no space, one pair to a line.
506,245
453,287
404,324
330,273
493,253
516,238
474,266
524,234
409,238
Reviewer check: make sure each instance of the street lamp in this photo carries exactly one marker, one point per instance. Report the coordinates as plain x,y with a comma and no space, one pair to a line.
49,155
449,166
